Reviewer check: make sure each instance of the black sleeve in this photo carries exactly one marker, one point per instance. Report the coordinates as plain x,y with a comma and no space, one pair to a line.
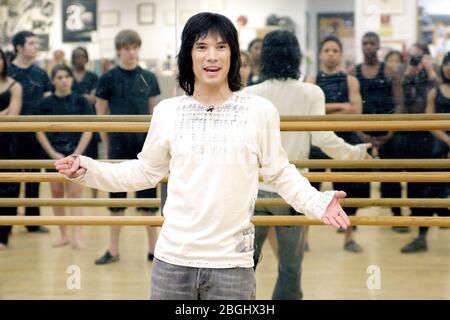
104,87
45,106
46,81
85,107
94,82
153,83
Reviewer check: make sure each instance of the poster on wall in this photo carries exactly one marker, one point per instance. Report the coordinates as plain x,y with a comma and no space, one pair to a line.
19,15
340,25
79,20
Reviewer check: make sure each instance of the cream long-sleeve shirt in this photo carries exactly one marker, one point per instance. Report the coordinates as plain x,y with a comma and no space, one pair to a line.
214,160
296,98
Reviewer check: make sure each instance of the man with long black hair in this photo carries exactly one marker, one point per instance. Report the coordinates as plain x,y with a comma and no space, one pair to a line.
215,141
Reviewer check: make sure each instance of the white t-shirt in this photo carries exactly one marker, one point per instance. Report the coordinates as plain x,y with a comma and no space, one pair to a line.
214,159
297,98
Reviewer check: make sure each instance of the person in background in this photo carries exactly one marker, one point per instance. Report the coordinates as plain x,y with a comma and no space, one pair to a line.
341,97
58,145
254,48
419,78
59,57
35,84
382,93
280,70
10,105
126,89
438,102
85,83
246,67
395,61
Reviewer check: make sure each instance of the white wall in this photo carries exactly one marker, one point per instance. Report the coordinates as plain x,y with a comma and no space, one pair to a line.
436,6
163,37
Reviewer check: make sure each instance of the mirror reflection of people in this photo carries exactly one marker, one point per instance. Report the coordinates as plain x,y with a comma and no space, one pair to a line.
254,48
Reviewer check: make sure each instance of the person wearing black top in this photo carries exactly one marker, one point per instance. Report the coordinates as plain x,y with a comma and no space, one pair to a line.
419,78
126,89
10,104
438,102
84,83
381,91
36,85
341,97
58,145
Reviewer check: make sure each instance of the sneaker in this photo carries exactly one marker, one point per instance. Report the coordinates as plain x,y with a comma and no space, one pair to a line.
107,258
150,257
401,229
352,246
417,245
39,229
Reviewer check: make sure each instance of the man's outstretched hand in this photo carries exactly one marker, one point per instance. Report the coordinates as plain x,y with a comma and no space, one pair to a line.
335,215
70,167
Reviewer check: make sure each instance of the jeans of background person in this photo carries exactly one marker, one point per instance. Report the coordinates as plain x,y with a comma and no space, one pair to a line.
407,145
28,148
173,282
7,190
291,242
127,146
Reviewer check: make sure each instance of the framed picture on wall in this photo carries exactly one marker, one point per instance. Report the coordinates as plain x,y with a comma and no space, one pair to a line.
109,18
146,13
79,20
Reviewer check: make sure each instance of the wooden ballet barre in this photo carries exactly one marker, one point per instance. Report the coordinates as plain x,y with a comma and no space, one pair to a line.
272,202
9,177
342,164
256,220
147,118
294,126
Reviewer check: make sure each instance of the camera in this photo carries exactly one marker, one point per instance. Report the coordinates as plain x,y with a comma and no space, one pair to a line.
415,60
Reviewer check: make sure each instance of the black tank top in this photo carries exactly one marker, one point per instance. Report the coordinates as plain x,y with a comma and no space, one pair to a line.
335,88
5,97
442,103
376,94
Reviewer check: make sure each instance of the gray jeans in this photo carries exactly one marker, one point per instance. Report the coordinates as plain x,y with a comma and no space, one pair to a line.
173,282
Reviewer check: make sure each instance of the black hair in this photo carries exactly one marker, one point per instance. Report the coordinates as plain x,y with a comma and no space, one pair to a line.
444,62
83,49
372,34
20,38
422,46
4,72
393,53
280,56
61,67
256,40
198,26
331,39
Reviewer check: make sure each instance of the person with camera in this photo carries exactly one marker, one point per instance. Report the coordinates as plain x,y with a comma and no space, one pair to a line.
420,77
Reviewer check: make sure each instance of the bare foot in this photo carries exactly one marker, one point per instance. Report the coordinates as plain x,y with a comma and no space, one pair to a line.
78,245
61,243
3,247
